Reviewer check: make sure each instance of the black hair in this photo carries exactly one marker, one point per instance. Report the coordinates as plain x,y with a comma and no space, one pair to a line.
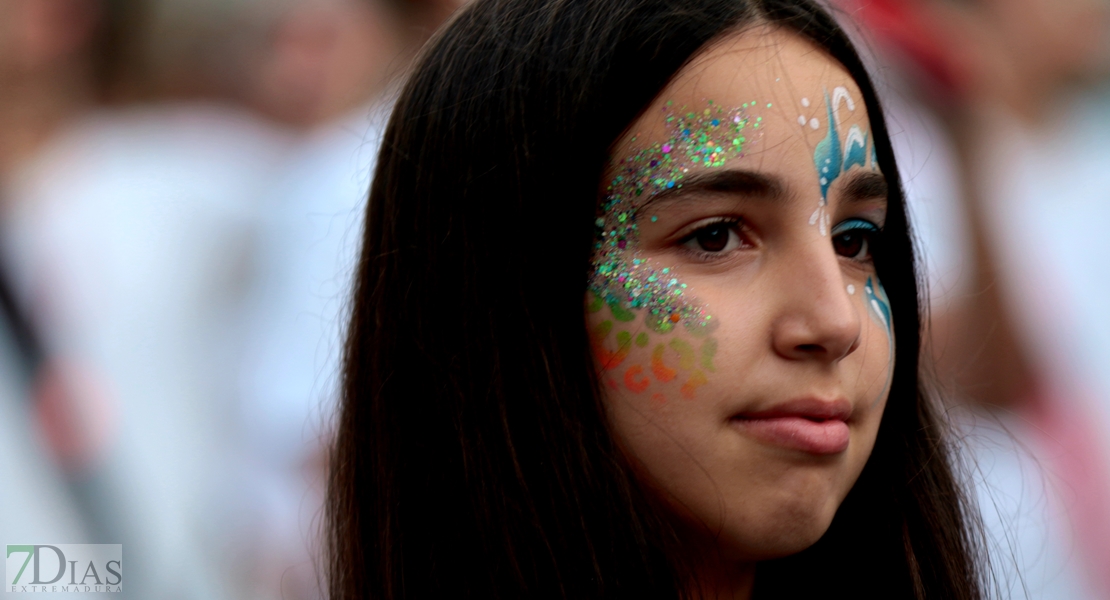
473,458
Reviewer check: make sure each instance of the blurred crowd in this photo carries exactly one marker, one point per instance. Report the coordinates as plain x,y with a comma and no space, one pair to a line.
181,187
182,184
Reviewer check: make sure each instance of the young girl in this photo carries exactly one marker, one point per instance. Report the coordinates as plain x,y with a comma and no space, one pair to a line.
636,317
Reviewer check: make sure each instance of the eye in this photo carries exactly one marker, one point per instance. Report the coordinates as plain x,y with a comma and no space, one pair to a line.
855,238
715,237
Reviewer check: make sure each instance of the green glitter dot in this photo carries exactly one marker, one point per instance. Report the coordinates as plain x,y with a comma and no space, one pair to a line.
654,218
768,105
595,303
619,312
659,324
603,329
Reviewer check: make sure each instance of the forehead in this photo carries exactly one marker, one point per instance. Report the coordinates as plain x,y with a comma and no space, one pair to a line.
779,77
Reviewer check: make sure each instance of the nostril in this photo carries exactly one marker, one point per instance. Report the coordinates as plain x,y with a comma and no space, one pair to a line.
810,348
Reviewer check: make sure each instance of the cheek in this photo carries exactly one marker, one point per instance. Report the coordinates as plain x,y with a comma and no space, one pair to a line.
658,388
877,347
642,363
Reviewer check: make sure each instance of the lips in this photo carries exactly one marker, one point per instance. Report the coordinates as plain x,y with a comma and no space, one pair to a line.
810,425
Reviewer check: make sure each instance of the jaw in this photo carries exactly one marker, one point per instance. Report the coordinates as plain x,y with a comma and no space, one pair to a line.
792,509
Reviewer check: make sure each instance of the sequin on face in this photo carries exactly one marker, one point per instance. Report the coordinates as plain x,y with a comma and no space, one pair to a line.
703,138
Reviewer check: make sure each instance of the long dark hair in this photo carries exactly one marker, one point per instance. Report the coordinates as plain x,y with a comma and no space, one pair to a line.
473,458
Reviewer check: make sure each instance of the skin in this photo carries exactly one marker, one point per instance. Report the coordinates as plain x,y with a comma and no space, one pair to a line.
785,327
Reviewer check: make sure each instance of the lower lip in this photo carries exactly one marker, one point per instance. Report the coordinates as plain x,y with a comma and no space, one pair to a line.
798,433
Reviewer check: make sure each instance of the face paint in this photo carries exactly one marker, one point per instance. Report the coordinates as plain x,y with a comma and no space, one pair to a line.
631,285
833,157
878,307
855,148
659,368
826,157
608,358
684,362
635,380
705,138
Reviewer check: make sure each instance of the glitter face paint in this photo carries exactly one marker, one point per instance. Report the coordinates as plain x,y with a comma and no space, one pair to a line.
700,138
630,285
685,362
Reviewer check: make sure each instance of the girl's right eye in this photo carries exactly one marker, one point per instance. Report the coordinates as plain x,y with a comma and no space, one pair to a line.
715,238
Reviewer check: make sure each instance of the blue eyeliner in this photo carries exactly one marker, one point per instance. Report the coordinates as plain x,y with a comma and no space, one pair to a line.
855,224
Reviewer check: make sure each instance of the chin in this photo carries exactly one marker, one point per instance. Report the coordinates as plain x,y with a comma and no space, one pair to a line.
785,528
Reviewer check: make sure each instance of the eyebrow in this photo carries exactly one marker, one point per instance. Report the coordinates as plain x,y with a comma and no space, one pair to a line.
728,181
859,187
865,185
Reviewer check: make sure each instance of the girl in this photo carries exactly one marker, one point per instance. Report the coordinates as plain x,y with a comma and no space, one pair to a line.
636,316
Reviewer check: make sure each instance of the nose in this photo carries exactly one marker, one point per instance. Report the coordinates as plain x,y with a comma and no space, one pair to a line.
815,316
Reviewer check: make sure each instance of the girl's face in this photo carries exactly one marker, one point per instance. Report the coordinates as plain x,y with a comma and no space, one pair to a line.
741,333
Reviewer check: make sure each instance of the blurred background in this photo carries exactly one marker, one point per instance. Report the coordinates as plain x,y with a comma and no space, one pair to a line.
181,188
181,191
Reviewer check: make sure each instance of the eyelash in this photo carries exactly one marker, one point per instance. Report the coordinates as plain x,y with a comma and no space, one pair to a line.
735,226
870,232
871,236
